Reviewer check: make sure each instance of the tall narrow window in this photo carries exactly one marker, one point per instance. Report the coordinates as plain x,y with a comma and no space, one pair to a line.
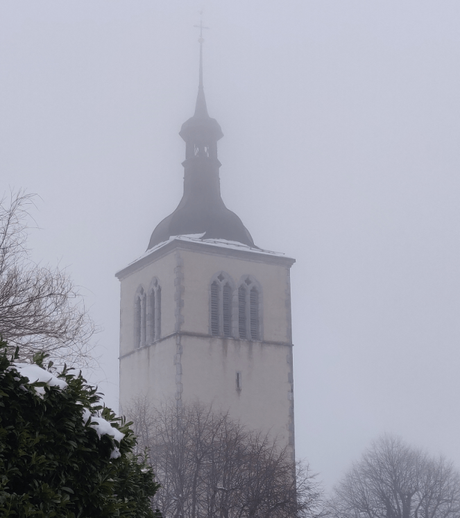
137,322
154,313
143,318
139,318
254,313
227,309
239,384
249,310
215,308
242,312
221,305
158,314
151,321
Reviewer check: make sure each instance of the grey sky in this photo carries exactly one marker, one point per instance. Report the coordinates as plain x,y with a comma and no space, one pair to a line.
341,149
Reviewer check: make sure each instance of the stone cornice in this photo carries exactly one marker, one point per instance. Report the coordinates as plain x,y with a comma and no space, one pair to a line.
201,336
248,254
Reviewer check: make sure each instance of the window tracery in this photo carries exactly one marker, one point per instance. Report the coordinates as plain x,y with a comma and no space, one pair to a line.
249,310
139,318
235,312
154,312
221,305
147,315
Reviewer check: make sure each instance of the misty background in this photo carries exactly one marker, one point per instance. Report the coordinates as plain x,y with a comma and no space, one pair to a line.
341,121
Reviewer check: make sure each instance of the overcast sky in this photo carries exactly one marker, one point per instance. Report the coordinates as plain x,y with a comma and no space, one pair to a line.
341,149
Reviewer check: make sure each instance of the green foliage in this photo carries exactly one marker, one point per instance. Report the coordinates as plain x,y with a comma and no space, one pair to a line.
53,464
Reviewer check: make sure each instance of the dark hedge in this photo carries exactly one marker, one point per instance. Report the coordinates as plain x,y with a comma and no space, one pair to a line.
52,464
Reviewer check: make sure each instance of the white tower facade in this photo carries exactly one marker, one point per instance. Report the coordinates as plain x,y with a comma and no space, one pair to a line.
205,314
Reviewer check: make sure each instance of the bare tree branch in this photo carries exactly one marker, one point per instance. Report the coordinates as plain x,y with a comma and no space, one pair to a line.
393,480
40,308
211,466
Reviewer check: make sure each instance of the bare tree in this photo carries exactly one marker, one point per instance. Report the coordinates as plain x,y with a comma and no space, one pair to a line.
211,466
40,308
394,480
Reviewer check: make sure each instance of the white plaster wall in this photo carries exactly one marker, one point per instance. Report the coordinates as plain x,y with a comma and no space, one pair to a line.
190,365
209,368
148,372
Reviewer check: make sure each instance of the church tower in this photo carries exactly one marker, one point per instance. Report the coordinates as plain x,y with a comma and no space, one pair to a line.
206,314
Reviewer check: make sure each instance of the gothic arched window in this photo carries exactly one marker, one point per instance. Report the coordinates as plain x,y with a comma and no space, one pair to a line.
139,318
154,312
215,308
249,310
221,305
227,293
242,327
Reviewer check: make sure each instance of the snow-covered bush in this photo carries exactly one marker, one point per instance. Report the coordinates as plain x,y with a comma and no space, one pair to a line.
62,454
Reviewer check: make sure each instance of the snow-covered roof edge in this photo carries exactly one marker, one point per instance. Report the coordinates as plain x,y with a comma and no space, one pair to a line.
198,238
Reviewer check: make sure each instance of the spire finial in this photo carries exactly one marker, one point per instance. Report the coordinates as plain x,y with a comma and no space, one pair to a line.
201,41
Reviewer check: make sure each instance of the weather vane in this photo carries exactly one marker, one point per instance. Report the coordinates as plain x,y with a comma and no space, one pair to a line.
201,27
200,41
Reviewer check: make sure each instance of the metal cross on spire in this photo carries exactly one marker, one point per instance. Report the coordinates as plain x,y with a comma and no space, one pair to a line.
200,41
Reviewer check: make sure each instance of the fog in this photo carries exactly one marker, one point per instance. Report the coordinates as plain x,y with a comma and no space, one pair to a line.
341,121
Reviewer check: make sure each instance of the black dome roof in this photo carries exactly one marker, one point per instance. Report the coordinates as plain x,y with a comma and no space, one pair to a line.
201,210
197,215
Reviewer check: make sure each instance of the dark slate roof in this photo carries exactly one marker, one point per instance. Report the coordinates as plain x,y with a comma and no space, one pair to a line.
195,215
201,210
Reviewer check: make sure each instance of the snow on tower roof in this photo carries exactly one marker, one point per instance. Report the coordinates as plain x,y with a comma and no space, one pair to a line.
198,239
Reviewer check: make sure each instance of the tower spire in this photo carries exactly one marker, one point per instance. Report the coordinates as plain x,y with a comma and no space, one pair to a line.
201,209
201,41
201,108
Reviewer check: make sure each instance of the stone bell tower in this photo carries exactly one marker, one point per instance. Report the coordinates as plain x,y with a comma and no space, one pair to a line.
206,314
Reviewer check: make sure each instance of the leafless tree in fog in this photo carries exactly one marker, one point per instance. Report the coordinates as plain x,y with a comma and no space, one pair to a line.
211,466
394,480
40,308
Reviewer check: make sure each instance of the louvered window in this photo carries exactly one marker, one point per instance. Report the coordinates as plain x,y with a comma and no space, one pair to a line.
242,312
154,313
158,314
215,308
254,313
139,319
227,310
221,323
137,322
151,321
249,310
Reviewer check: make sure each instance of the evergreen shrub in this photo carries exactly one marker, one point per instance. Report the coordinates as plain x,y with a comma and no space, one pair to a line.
56,460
